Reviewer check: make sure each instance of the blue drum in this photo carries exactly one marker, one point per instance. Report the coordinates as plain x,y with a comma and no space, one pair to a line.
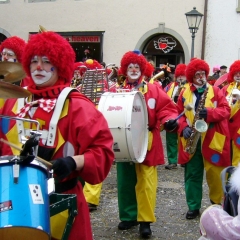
24,200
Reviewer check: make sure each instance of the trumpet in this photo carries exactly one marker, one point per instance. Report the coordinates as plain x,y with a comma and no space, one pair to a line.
158,75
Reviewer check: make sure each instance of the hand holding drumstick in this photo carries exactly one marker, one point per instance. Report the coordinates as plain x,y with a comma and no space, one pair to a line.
48,164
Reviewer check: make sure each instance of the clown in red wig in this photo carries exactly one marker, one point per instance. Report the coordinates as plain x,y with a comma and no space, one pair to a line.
12,51
76,137
202,151
232,93
79,70
173,90
140,187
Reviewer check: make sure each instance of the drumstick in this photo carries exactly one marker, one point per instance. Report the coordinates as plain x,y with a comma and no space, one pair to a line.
188,107
19,149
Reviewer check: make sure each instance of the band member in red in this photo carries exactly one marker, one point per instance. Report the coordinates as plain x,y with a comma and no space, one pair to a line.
83,142
137,182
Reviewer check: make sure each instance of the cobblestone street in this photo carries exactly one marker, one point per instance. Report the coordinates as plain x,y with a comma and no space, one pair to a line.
170,211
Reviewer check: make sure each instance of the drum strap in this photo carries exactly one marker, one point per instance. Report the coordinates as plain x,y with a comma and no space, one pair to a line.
50,135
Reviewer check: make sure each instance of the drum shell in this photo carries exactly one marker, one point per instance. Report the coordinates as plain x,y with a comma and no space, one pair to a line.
126,114
28,214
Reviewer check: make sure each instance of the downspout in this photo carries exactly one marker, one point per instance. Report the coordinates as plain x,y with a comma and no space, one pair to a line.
204,29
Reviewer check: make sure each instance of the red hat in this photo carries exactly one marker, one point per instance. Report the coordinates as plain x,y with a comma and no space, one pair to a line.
149,70
92,64
180,70
15,44
58,50
194,66
134,57
234,68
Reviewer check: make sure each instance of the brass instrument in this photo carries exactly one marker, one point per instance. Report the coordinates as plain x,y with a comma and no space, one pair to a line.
230,97
156,76
198,126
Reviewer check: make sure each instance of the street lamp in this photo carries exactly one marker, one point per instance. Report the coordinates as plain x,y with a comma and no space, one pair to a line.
193,18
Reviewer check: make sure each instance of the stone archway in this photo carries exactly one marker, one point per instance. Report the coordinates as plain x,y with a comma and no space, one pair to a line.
161,29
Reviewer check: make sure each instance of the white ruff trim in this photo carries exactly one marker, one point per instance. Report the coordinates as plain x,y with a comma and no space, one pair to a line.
235,180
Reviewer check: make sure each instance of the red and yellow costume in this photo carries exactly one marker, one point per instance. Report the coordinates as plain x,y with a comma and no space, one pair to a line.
234,126
138,181
212,149
81,128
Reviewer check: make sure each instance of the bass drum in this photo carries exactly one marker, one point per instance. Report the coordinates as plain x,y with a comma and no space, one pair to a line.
126,114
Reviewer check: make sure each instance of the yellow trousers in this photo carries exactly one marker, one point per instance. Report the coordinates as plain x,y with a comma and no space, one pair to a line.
213,177
235,155
92,193
146,192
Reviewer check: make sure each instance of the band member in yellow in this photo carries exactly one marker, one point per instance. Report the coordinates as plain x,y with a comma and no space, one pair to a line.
203,144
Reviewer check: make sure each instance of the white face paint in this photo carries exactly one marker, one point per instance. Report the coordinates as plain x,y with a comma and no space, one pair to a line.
236,77
40,77
200,78
43,73
181,79
133,72
8,55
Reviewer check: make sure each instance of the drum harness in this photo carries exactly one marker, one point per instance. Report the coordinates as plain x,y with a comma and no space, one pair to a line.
50,134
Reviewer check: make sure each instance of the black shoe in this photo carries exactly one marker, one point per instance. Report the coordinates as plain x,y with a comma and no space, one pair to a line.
145,230
92,207
192,214
125,225
171,166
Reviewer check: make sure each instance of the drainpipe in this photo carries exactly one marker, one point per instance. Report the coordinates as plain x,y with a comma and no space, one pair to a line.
204,29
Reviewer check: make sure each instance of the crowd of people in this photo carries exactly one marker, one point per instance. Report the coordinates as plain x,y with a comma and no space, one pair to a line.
200,120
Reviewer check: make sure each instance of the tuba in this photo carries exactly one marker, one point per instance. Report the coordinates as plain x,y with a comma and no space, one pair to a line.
198,126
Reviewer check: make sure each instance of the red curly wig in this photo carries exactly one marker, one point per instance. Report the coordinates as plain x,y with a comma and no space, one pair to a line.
234,68
149,70
194,66
58,50
15,44
180,70
79,66
134,57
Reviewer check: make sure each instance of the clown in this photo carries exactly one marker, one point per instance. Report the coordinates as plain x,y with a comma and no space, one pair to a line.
81,146
232,93
11,51
137,183
173,89
212,149
79,70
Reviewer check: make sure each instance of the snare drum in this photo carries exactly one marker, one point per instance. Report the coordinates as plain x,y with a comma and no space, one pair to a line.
24,202
126,114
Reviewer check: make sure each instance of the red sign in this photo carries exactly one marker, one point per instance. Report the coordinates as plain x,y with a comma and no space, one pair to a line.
92,39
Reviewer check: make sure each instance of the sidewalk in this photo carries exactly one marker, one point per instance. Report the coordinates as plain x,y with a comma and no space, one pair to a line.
170,211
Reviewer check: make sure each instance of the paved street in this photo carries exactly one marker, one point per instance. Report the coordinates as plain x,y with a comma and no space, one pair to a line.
170,210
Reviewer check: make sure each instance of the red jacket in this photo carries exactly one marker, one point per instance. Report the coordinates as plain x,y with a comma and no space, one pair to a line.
81,129
216,140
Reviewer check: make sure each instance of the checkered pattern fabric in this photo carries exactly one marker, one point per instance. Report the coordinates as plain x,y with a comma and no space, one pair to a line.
46,104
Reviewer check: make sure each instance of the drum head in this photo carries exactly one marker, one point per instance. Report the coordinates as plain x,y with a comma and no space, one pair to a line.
126,114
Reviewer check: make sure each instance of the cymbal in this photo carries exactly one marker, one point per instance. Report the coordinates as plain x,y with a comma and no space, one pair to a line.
8,90
11,72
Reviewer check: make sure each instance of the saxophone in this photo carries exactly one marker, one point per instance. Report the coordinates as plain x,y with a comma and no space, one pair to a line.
192,141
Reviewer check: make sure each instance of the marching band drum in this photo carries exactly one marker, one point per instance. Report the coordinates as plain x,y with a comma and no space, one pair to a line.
126,114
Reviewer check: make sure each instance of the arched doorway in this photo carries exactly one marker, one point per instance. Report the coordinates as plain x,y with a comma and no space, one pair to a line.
164,49
176,55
